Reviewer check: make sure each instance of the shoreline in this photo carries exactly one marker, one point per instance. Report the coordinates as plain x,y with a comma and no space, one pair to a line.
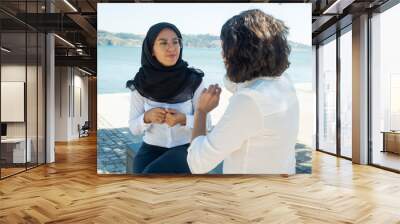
114,108
303,86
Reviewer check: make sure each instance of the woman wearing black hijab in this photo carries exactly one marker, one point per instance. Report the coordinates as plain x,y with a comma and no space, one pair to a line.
164,94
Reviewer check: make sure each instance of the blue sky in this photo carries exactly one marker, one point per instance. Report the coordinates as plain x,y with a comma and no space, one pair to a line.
199,18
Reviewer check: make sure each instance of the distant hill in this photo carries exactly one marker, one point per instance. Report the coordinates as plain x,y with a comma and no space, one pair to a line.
105,38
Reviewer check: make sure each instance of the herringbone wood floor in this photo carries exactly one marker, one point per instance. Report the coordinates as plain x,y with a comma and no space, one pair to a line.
70,191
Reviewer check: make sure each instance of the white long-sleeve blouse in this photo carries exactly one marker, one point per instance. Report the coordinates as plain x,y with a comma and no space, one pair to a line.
256,134
162,134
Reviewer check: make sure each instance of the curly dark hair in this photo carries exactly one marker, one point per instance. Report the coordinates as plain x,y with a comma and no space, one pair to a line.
254,44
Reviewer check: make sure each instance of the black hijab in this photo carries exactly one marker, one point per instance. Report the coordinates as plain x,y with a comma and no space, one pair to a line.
174,84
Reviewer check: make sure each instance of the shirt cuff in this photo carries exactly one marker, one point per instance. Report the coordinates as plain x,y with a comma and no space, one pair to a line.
202,156
189,121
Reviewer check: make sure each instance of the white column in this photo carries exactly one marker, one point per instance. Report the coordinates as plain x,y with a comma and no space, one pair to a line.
360,90
50,94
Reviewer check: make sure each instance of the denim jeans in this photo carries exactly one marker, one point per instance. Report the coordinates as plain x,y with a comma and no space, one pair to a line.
160,160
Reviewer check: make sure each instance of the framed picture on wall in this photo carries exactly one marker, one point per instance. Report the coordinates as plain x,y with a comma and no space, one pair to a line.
12,101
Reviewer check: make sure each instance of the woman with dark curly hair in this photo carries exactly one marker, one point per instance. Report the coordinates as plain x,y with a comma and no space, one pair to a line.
165,92
257,133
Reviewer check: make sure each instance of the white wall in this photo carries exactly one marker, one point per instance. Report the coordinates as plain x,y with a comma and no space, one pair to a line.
61,103
81,101
33,126
71,94
13,73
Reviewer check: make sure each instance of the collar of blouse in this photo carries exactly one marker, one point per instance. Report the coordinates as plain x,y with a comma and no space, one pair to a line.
245,84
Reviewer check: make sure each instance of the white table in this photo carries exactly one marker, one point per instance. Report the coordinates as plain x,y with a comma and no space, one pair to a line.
19,149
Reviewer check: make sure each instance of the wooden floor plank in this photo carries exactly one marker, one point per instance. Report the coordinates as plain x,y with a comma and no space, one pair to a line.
70,191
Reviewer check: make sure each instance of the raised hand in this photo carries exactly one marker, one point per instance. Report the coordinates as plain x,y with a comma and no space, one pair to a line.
209,99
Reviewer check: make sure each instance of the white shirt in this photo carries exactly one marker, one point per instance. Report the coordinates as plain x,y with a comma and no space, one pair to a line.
257,133
162,134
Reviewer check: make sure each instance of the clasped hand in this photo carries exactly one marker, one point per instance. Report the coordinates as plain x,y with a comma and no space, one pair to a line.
160,115
209,100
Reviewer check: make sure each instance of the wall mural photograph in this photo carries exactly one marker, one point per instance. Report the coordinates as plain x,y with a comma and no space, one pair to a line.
205,89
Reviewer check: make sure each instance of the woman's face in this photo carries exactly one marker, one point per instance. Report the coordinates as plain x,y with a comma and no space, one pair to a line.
167,47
